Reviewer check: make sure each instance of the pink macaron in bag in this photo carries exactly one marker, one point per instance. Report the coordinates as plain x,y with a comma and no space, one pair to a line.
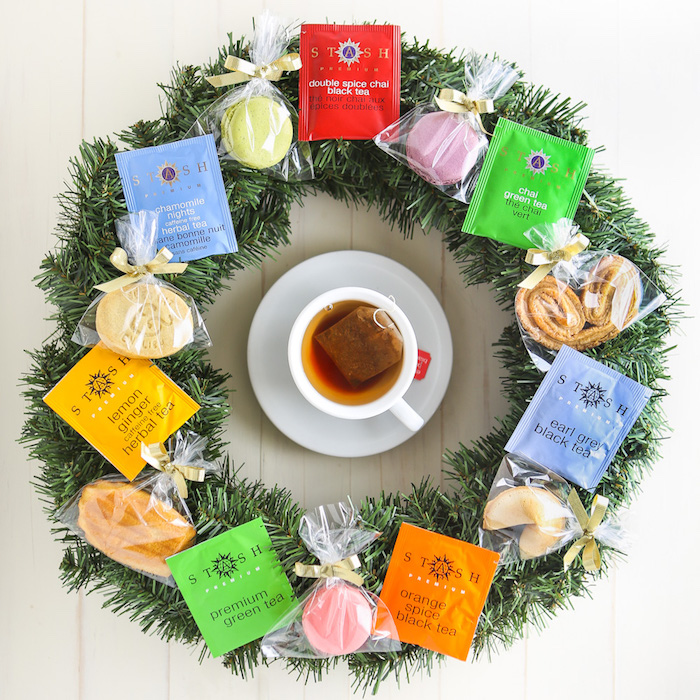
444,141
337,615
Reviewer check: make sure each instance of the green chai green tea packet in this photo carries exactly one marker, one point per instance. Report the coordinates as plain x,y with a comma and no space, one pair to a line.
529,178
234,586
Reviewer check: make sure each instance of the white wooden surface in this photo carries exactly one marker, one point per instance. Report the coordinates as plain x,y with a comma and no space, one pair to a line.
76,70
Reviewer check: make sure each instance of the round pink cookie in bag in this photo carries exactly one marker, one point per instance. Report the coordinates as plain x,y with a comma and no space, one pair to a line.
337,618
443,147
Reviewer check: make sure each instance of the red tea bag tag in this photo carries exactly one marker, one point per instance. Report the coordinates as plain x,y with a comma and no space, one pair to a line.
350,80
423,363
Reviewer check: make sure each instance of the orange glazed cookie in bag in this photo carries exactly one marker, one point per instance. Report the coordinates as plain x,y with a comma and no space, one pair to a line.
132,527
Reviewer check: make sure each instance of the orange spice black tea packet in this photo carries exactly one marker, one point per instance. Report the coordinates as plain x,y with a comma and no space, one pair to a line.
350,80
435,588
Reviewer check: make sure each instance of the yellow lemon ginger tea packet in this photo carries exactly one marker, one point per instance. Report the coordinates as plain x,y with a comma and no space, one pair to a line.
117,402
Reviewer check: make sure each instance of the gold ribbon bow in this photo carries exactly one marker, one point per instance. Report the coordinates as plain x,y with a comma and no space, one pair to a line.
450,100
160,265
587,543
245,70
455,101
157,456
340,569
547,259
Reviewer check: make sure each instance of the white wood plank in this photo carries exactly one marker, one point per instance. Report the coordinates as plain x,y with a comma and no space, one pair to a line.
39,130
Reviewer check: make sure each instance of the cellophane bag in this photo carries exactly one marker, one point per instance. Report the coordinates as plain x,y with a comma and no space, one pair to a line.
527,514
254,123
447,148
581,302
147,318
139,523
334,617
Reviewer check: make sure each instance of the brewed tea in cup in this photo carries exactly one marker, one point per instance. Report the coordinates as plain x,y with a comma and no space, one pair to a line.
353,353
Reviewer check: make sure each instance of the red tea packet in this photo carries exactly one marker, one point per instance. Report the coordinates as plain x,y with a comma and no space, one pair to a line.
435,589
350,80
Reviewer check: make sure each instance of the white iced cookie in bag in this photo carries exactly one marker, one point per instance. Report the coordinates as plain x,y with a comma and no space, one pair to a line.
144,320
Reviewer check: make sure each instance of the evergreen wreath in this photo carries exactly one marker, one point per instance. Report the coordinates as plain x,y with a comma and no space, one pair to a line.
355,172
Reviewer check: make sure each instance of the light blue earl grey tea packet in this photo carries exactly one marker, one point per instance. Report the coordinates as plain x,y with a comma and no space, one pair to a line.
182,183
578,417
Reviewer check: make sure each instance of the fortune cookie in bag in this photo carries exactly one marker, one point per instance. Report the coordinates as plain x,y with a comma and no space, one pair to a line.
255,124
526,515
576,296
139,315
532,512
444,141
336,616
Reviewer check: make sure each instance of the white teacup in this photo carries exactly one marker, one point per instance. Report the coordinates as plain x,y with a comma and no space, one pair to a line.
392,399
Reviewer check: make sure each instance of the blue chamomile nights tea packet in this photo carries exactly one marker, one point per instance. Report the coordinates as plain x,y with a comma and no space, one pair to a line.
578,417
181,181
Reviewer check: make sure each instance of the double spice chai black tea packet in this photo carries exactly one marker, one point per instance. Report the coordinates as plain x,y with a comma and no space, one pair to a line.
350,80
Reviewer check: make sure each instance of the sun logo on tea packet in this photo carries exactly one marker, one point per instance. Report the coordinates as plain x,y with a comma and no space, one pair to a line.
537,162
441,567
592,395
348,52
168,173
99,384
224,565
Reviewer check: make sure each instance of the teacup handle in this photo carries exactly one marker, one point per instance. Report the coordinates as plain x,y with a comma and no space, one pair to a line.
407,415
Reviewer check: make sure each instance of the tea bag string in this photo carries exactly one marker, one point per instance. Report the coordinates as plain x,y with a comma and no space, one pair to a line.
339,569
587,542
387,312
157,456
243,70
160,265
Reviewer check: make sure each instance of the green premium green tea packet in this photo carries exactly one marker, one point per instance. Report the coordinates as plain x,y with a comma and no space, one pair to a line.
234,586
529,178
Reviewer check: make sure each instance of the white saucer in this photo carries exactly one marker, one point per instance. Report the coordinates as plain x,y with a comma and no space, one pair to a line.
267,352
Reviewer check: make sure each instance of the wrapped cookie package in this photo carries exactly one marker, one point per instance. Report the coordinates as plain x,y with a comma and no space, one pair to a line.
528,514
577,297
336,616
255,124
139,315
444,141
141,523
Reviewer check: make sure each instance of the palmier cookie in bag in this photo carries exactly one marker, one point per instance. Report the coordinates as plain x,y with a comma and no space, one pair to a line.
255,124
336,616
577,297
139,315
444,141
